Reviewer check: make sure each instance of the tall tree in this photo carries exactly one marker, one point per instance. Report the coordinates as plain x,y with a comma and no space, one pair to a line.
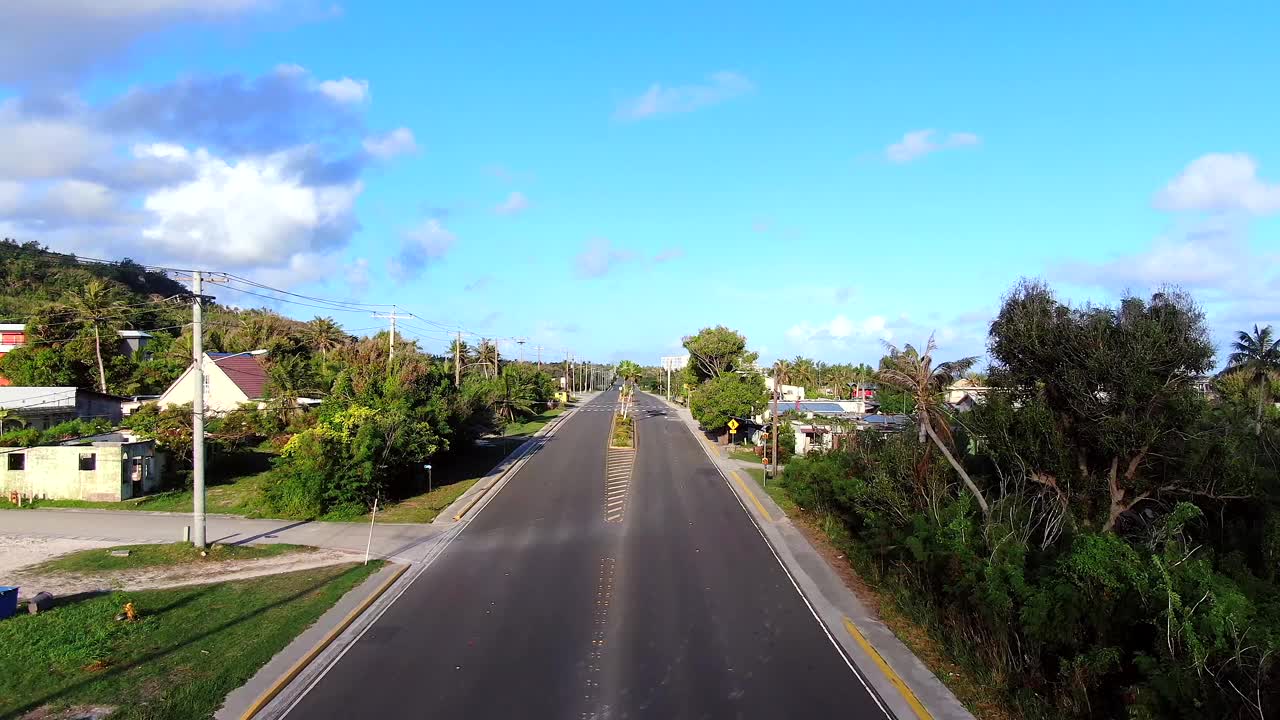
716,351
1257,355
94,304
324,334
1115,383
914,372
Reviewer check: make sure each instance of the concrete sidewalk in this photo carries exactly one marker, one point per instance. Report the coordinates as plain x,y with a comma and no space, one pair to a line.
403,543
836,604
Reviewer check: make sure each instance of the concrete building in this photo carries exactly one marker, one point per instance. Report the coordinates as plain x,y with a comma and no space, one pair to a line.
230,380
786,393
44,407
110,467
133,342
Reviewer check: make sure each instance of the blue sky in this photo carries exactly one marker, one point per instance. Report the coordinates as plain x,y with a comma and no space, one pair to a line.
605,180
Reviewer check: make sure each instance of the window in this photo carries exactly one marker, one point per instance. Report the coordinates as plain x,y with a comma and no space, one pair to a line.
88,461
17,461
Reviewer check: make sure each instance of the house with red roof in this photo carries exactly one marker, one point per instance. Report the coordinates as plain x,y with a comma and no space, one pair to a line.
230,380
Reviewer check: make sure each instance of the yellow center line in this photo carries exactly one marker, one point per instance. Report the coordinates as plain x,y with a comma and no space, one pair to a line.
898,683
754,499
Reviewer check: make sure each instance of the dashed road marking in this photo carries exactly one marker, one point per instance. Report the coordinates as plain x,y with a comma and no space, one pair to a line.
599,629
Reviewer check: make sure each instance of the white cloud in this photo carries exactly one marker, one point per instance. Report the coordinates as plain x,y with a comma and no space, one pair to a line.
1194,261
1220,181
840,329
345,90
357,276
392,144
599,257
422,245
918,143
515,204
81,200
40,147
11,194
661,100
57,40
248,212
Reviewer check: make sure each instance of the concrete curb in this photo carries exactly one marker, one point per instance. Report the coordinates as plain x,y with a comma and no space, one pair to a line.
909,689
271,692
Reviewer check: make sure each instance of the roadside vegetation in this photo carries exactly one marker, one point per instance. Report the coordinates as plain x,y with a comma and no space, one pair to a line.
377,424
1097,538
186,650
623,432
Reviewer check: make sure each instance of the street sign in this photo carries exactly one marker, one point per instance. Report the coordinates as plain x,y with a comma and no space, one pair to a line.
733,425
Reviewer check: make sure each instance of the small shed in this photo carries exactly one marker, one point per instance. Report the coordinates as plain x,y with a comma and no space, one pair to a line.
109,467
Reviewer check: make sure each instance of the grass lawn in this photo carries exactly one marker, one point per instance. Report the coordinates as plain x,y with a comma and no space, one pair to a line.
101,559
532,425
746,455
774,490
425,507
456,475
190,647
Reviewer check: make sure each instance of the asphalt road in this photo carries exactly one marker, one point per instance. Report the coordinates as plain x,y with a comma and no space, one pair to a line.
541,608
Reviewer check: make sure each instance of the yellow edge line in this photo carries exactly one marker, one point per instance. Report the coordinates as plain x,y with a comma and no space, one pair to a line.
310,657
751,495
896,680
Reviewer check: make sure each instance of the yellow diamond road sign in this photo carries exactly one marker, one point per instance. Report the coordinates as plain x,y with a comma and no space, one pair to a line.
733,425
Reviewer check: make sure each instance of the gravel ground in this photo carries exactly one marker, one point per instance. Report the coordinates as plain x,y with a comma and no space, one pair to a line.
17,552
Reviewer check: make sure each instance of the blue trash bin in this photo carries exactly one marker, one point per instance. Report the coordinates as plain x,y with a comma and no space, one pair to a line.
8,601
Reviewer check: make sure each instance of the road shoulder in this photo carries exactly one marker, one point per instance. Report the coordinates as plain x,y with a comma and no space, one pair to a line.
910,689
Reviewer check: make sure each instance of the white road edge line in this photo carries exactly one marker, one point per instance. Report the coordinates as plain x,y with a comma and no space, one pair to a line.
826,630
423,567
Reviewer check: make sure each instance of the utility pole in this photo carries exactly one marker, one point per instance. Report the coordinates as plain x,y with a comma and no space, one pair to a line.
774,433
391,346
521,342
197,407
197,413
539,349
457,361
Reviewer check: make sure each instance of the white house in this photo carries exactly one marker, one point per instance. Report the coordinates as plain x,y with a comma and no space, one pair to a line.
230,380
786,393
965,392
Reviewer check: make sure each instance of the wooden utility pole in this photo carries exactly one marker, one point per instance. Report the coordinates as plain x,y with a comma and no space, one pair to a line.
457,361
539,349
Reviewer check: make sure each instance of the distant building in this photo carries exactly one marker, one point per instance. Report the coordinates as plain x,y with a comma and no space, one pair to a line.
14,336
44,407
230,380
965,393
133,342
111,467
787,393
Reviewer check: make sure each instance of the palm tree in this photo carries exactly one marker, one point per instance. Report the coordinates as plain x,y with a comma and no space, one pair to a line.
914,372
802,372
517,398
487,357
1257,354
9,416
324,334
93,303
